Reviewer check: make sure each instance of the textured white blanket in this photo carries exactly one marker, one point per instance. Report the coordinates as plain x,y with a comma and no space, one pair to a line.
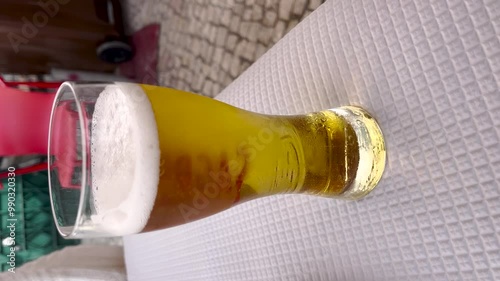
429,70
76,263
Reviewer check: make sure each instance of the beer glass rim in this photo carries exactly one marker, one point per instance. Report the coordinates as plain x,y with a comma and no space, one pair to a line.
67,231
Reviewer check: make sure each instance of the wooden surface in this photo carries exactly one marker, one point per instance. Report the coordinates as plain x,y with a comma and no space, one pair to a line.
34,39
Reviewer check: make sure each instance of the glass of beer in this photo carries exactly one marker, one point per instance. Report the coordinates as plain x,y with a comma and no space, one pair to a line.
128,158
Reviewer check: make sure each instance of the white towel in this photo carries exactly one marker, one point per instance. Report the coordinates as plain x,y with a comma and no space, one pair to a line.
75,263
429,70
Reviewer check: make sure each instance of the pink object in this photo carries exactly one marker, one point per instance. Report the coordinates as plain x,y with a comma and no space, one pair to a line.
24,120
25,125
143,67
40,85
64,146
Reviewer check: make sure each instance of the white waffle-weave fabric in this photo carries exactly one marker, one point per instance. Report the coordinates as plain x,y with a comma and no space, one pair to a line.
429,70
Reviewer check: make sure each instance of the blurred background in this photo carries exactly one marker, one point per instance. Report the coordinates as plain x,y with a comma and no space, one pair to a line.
194,45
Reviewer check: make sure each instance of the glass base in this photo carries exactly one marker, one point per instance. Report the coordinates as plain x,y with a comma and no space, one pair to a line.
372,152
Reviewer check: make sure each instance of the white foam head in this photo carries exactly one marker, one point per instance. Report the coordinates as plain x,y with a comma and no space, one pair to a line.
125,157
